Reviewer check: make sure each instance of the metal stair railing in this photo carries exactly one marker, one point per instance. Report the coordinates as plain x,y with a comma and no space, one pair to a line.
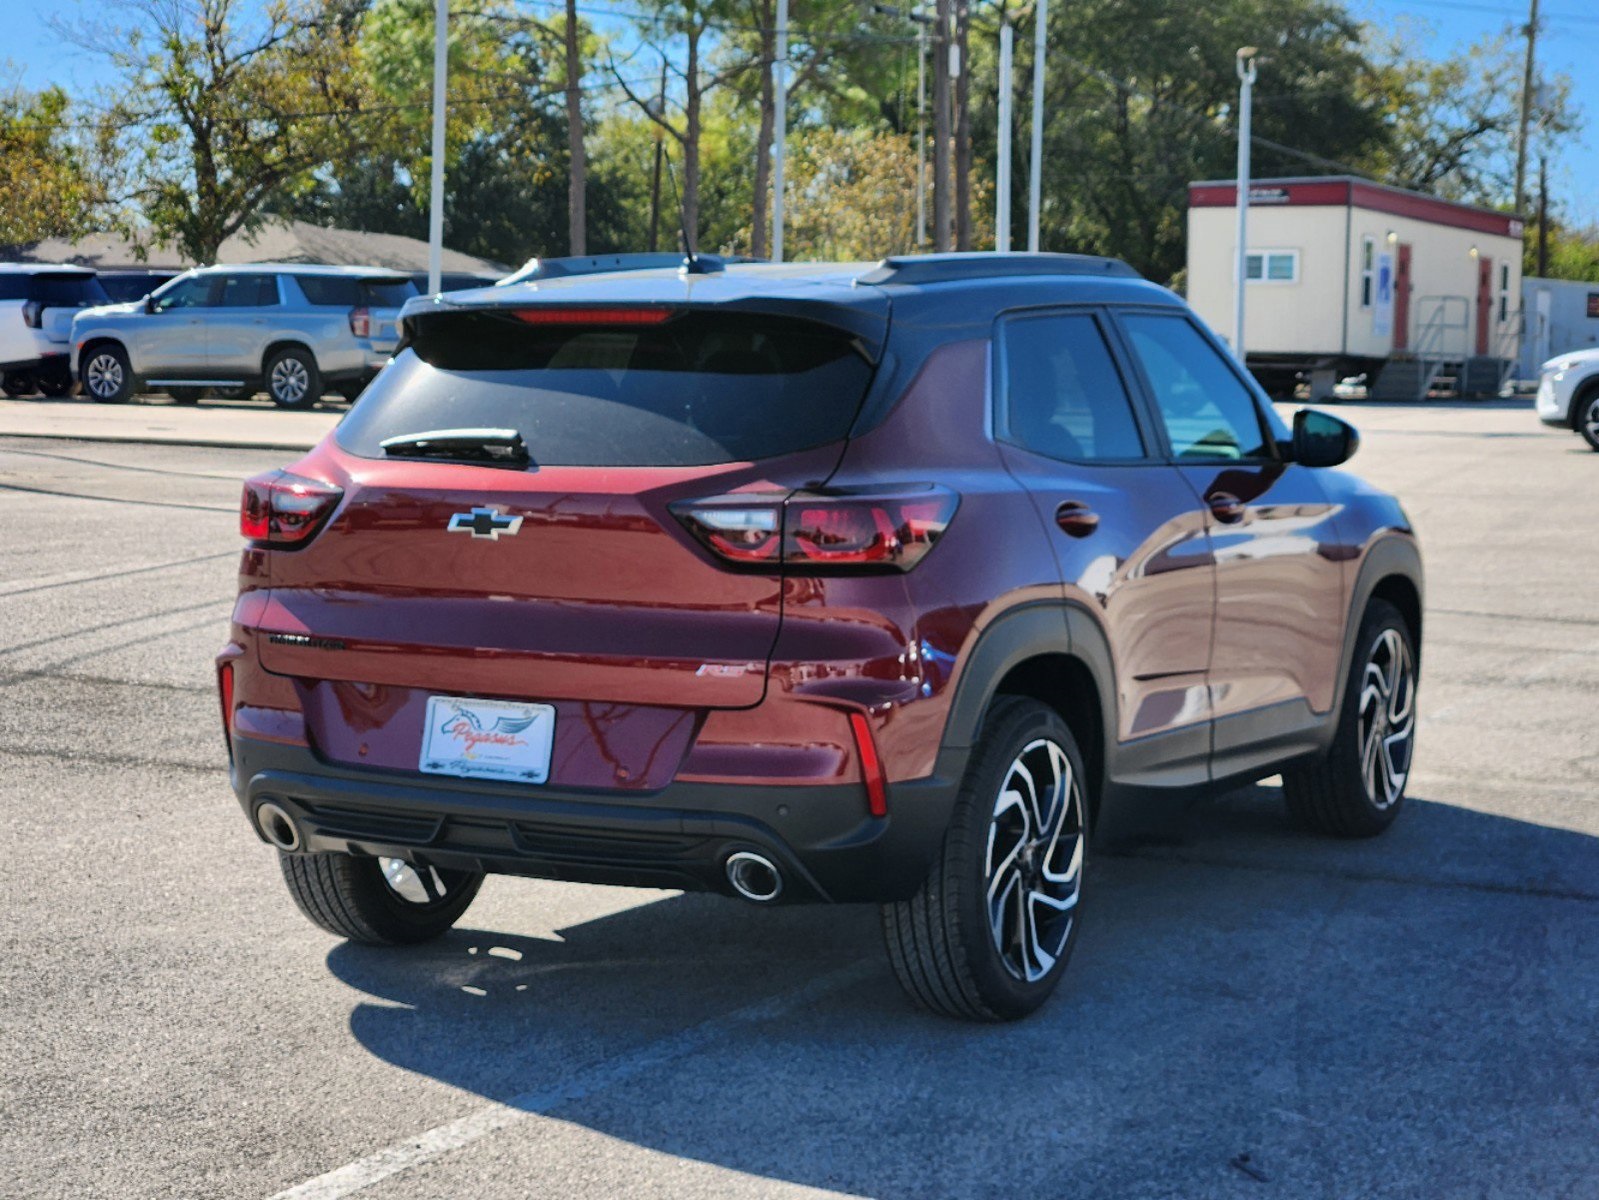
1507,346
1435,344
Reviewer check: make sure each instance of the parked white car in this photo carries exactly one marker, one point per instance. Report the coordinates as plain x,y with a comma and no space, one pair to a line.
37,304
1568,394
287,329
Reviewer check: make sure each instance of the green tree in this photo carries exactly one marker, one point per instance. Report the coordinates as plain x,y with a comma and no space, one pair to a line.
47,188
223,110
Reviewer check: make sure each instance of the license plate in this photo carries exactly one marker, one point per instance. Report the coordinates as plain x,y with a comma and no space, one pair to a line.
488,739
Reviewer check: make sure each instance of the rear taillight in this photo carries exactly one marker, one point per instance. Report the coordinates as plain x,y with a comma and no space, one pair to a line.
883,529
361,322
225,688
281,509
32,314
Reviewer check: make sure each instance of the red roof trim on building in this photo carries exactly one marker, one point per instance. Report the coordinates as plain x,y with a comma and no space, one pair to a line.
1339,191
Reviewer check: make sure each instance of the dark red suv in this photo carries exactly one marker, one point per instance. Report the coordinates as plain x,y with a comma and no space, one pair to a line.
810,583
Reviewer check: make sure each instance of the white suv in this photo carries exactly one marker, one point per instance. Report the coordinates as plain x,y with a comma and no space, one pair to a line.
287,329
1568,394
37,304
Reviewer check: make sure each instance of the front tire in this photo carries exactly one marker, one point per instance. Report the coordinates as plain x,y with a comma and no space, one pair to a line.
17,384
292,378
989,934
1358,787
1588,420
107,377
378,901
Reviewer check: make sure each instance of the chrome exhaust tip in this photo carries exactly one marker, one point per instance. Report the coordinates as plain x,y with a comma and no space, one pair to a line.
277,827
754,876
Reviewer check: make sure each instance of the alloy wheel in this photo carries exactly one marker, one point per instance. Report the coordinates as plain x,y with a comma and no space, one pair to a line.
1590,422
1033,870
290,381
1387,724
103,376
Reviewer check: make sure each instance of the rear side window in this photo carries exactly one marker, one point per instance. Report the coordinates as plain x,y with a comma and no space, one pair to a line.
67,289
348,291
698,389
246,291
1207,410
386,293
1064,397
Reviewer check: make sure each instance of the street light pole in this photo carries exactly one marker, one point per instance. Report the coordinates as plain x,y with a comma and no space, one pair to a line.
1246,99
1035,186
441,19
1007,38
921,135
779,128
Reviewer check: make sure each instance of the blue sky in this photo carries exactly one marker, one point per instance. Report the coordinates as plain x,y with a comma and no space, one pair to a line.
1569,43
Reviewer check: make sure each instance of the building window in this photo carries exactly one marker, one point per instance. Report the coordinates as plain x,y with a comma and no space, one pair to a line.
1504,292
1368,270
1272,266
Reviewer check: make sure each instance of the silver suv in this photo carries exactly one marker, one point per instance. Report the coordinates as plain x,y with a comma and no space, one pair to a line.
286,329
37,303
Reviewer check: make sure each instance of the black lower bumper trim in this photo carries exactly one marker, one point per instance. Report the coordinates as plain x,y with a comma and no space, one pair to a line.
822,838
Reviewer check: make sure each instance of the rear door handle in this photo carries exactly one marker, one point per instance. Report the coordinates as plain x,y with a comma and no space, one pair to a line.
1226,507
1076,518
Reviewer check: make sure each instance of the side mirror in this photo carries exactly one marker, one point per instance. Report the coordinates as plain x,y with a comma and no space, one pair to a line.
1322,440
149,304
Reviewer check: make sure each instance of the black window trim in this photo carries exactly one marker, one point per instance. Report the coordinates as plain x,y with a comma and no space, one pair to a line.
1146,390
999,385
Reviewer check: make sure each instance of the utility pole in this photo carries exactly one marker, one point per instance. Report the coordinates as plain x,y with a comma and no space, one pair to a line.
1007,39
577,154
921,136
1246,100
943,175
441,38
1543,216
1526,109
779,129
1035,184
961,71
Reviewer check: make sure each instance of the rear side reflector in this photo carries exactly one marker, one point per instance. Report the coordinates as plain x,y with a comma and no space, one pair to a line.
281,509
225,687
884,529
871,765
592,316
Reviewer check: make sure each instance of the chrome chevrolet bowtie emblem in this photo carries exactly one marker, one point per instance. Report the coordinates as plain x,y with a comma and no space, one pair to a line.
484,523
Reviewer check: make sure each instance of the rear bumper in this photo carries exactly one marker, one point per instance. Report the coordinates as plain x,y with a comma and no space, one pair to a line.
822,838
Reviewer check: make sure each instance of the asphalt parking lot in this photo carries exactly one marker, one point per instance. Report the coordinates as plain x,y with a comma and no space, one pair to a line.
1252,1011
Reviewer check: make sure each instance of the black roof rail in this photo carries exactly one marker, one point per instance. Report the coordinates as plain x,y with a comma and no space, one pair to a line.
946,268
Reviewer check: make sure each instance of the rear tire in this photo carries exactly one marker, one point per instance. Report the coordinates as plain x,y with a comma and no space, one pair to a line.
292,378
185,395
54,384
357,899
1358,787
988,936
107,377
1588,420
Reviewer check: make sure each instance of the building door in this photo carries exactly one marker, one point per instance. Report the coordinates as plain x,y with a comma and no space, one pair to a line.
1485,301
1402,298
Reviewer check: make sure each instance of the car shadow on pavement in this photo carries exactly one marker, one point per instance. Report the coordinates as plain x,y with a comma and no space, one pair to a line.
1249,1003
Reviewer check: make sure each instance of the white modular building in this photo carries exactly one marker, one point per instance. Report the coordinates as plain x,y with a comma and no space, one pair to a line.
1348,277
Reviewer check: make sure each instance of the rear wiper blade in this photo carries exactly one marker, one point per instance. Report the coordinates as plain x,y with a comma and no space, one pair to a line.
501,447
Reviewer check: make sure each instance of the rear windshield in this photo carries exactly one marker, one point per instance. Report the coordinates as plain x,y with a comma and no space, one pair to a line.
700,389
65,288
348,291
122,288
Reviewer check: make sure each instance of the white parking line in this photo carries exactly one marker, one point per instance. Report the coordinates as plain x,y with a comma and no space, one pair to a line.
463,1131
